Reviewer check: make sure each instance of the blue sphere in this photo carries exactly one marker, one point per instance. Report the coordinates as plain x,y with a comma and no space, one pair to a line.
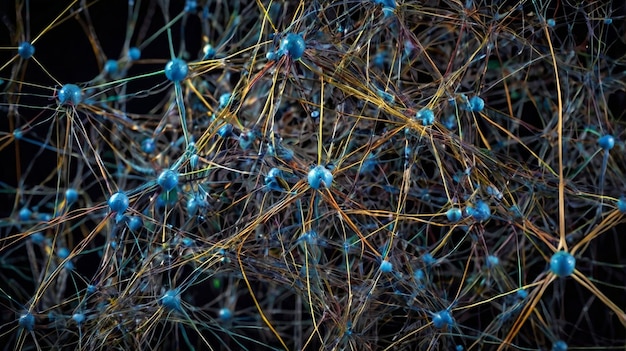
454,214
559,346
168,179
26,50
621,204
606,142
551,22
176,70
37,238
225,314
492,261
386,266
426,115
476,103
79,318
71,195
171,300
63,253
293,45
442,319
118,202
111,67
481,212
224,100
319,176
194,160
148,145
522,293
428,259
135,223
562,264
225,131
134,53
27,321
25,214
70,94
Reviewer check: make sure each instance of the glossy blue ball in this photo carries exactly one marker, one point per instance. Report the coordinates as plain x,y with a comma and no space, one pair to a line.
176,70
559,346
562,264
70,94
118,202
63,253
79,318
135,223
454,214
621,204
224,100
134,53
27,321
492,261
319,176
26,50
25,214
225,314
71,195
293,45
386,266
168,179
37,238
148,145
606,142
442,319
225,131
171,300
476,103
111,67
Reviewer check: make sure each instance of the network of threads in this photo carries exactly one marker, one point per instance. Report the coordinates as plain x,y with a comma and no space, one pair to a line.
304,175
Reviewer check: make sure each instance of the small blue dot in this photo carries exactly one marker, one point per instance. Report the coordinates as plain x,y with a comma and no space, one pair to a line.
63,253
442,319
315,114
188,242
191,6
25,214
426,115
171,300
476,103
168,179
134,53
79,318
606,142
562,264
148,145
225,314
71,195
621,204
293,45
386,3
559,346
428,259
135,223
608,21
319,176
26,50
209,52
111,67
69,266
224,100
454,214
551,22
176,70
225,131
386,266
70,94
91,288
270,56
118,202
522,293
37,238
27,321
194,160
492,261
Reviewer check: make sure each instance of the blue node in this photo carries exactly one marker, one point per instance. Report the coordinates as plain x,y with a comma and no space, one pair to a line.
25,214
419,275
310,237
209,52
70,94
551,22
428,259
245,140
171,300
168,179
386,266
315,114
148,145
426,115
134,54
45,217
26,50
492,261
135,223
320,176
454,214
481,212
194,160
271,56
27,321
63,253
442,319
608,21
522,293
369,164
225,314
118,202
386,3
459,348
79,318
293,45
224,100
71,195
37,238
18,134
621,204
191,6
111,67
476,104
562,264
606,142
69,266
91,288
188,242
388,97
225,131
176,70
559,346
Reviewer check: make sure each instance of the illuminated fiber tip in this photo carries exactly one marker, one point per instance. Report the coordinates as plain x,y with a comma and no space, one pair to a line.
293,45
319,176
176,70
27,321
26,50
442,319
562,264
168,179
118,202
606,142
70,94
225,314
